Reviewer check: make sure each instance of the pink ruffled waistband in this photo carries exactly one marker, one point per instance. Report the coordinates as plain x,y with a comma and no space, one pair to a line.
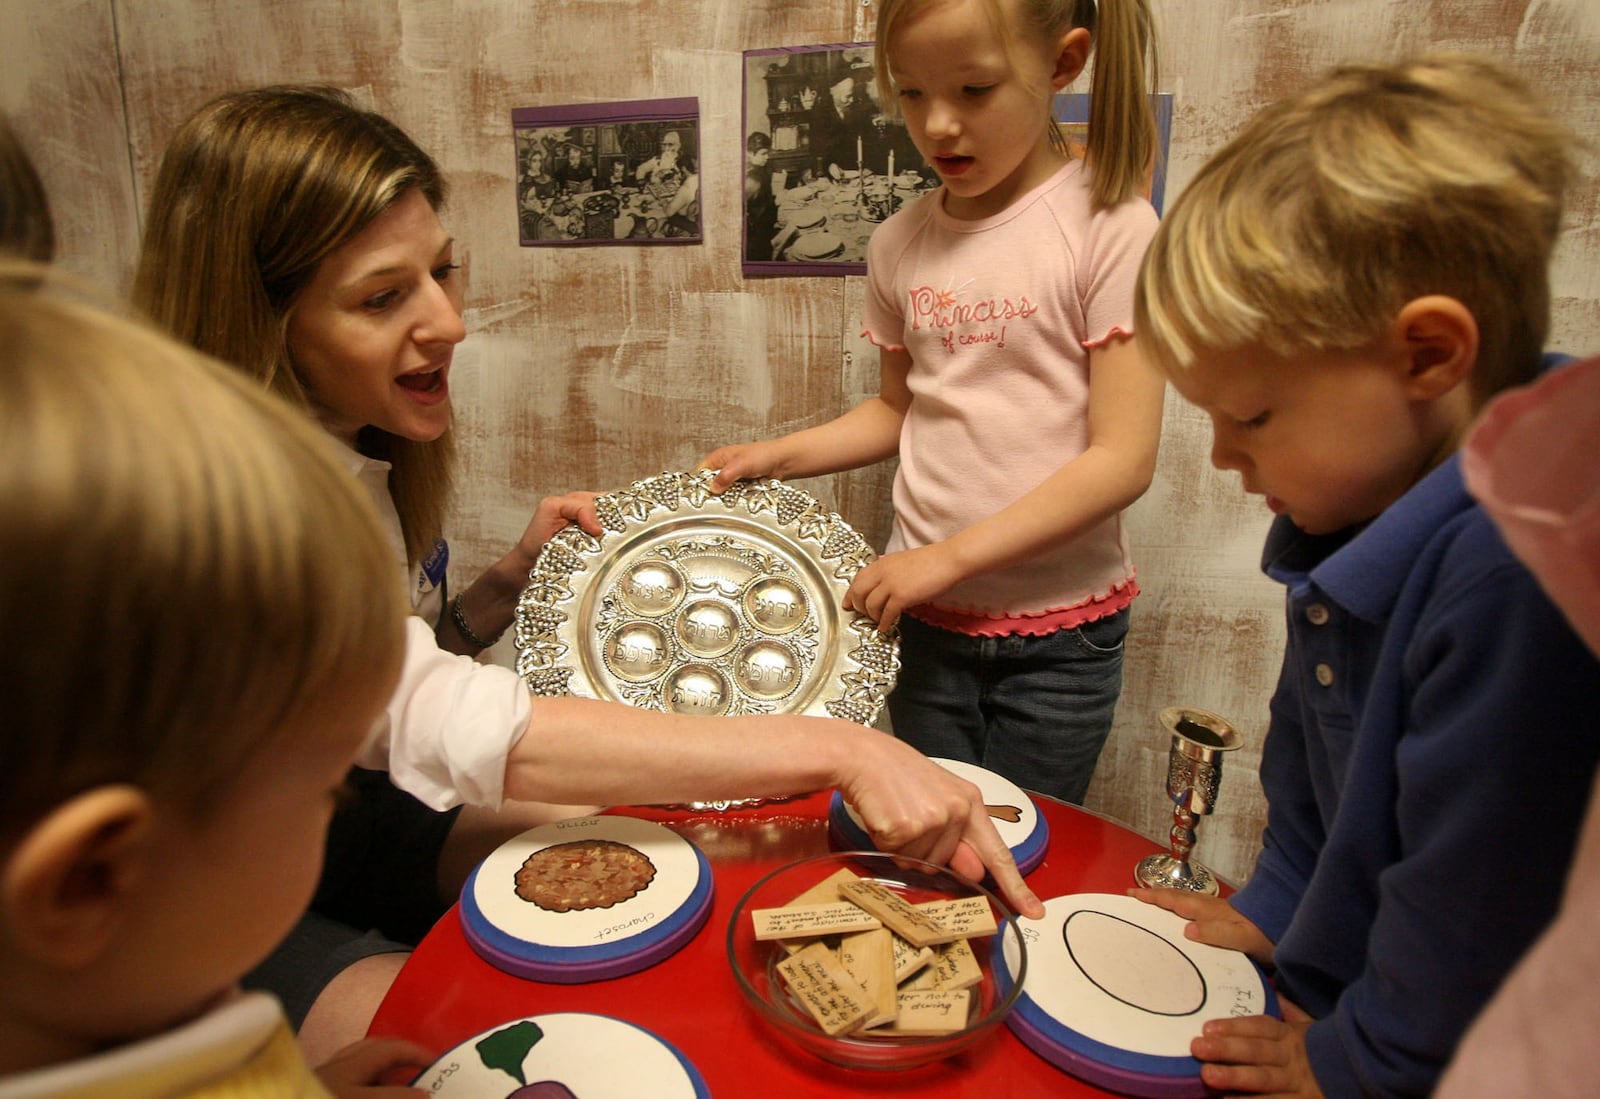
1028,625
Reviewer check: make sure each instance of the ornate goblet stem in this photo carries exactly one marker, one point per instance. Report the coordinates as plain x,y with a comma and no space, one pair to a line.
1194,773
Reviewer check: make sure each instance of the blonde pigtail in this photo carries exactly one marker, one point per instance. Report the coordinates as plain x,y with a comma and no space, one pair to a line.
1122,144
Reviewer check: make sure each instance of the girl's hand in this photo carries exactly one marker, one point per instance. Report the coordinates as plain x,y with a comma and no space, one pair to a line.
740,462
1258,1054
1212,920
894,582
356,1070
556,513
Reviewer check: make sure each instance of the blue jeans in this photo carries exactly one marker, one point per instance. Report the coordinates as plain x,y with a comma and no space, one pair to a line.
1034,709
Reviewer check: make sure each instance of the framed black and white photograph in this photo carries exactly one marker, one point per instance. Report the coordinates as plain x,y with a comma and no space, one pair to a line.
609,173
824,163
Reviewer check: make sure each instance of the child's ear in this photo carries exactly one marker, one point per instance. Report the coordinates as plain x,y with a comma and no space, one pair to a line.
1071,57
1437,337
64,888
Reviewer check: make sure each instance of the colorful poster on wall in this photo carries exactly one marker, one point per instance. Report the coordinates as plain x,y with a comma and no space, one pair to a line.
824,164
608,173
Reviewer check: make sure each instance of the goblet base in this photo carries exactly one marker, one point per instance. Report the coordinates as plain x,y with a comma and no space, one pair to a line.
1166,872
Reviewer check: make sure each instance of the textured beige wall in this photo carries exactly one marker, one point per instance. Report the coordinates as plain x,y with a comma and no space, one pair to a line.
592,367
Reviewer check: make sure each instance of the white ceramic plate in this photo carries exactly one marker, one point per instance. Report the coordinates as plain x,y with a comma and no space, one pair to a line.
570,1055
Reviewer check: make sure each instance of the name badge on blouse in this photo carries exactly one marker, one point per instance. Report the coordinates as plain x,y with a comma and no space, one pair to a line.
434,566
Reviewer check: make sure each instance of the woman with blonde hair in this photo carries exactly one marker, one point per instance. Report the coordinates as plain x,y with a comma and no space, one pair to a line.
297,236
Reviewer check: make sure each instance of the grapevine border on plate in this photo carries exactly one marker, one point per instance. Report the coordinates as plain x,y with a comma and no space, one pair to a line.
543,655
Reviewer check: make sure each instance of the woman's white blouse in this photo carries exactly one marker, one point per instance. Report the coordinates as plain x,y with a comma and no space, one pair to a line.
451,723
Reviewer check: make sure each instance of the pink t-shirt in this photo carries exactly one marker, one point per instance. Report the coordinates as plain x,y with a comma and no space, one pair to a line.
999,316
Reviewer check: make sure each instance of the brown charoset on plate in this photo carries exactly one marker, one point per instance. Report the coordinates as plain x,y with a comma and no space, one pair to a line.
584,874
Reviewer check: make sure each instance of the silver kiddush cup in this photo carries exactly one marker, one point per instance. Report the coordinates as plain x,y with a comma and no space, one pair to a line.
1194,772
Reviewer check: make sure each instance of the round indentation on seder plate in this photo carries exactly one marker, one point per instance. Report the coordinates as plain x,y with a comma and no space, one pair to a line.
637,652
697,689
775,604
651,588
708,628
767,670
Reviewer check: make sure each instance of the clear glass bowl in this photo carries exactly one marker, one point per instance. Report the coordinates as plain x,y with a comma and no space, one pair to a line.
755,962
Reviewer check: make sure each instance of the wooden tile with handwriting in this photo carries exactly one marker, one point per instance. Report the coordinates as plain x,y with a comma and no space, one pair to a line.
899,915
868,956
826,988
811,921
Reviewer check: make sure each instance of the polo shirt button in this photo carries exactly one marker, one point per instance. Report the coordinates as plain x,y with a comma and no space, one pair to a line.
1324,675
1317,614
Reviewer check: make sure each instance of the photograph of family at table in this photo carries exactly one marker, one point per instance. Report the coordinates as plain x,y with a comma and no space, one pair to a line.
825,159
220,845
613,181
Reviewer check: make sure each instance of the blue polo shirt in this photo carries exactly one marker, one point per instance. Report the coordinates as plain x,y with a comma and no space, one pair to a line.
1431,745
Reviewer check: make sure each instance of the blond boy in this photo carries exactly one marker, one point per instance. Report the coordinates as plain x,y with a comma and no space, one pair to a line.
196,644
1340,289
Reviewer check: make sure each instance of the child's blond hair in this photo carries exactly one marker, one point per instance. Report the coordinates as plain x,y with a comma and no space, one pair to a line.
1379,184
1121,144
189,568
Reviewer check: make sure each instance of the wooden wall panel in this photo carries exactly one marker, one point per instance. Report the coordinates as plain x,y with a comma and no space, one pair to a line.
59,86
590,367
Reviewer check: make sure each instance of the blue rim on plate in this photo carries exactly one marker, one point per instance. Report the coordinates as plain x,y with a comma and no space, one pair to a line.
1028,836
1075,1014
560,947
602,1057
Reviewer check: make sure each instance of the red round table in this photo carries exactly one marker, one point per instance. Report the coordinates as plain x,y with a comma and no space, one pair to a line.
446,993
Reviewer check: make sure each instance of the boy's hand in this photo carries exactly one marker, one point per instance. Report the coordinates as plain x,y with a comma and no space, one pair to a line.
356,1070
1258,1054
1211,920
740,462
895,582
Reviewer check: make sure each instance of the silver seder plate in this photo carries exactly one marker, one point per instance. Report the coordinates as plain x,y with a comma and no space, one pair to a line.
695,603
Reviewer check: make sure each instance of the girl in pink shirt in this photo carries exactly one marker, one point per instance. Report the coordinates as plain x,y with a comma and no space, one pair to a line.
1012,391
